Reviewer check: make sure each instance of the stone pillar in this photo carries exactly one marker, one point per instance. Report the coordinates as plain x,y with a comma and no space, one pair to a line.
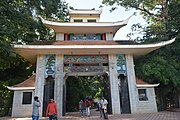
39,83
109,36
60,36
114,85
58,87
133,92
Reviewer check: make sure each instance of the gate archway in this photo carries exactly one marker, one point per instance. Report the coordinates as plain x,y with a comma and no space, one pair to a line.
84,78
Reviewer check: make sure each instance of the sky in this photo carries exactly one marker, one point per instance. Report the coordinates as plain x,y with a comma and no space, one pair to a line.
107,16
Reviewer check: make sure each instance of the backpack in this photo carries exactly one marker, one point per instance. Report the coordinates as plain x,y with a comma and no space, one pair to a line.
87,103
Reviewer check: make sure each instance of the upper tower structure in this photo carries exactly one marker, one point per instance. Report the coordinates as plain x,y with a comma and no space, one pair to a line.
84,15
84,25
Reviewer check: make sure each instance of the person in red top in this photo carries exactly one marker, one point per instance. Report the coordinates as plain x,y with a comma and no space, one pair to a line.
51,110
87,105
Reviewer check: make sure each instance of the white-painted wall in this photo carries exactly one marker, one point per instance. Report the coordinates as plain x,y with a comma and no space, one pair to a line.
150,105
19,109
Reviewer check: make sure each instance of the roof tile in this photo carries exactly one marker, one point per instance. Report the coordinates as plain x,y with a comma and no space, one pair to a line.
30,82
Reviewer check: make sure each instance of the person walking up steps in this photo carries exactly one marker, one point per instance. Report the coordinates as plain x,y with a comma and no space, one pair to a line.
81,107
87,104
100,107
104,103
51,110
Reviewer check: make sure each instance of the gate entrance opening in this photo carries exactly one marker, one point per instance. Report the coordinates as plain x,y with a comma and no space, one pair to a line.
79,87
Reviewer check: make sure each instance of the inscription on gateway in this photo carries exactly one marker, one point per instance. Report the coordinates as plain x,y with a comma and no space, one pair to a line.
86,59
87,63
86,69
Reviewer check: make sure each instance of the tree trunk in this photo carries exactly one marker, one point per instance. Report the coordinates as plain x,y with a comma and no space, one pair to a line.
179,99
161,98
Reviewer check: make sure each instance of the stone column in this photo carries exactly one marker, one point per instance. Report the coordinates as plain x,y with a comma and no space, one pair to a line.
133,92
39,83
58,87
60,36
109,36
114,85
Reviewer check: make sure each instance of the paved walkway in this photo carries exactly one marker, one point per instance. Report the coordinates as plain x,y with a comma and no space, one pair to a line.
166,115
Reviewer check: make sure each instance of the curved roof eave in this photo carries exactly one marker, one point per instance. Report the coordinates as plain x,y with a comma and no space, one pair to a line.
147,85
85,24
21,88
97,46
73,27
30,52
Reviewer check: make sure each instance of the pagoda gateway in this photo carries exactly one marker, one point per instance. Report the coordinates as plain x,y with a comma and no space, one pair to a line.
85,47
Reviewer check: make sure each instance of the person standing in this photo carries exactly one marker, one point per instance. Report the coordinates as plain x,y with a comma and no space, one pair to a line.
36,105
51,110
81,107
100,107
104,103
87,104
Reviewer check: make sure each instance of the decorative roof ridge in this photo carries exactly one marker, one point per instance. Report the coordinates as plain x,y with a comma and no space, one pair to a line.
84,9
73,11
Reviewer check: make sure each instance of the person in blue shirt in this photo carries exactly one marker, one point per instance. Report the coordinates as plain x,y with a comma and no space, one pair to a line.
81,107
36,105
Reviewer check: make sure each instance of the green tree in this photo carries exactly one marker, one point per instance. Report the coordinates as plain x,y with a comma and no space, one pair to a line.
163,65
19,24
78,88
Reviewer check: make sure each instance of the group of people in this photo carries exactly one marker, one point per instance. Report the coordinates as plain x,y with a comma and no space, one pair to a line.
51,110
87,104
102,105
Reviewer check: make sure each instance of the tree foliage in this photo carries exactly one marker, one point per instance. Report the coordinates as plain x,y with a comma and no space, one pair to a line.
163,65
78,88
20,24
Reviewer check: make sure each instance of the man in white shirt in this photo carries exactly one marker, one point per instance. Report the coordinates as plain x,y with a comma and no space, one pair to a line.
104,103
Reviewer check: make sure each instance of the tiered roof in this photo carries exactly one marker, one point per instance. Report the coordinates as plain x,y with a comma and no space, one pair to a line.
31,51
85,47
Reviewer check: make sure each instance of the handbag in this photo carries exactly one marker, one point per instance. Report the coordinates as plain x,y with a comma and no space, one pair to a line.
54,116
